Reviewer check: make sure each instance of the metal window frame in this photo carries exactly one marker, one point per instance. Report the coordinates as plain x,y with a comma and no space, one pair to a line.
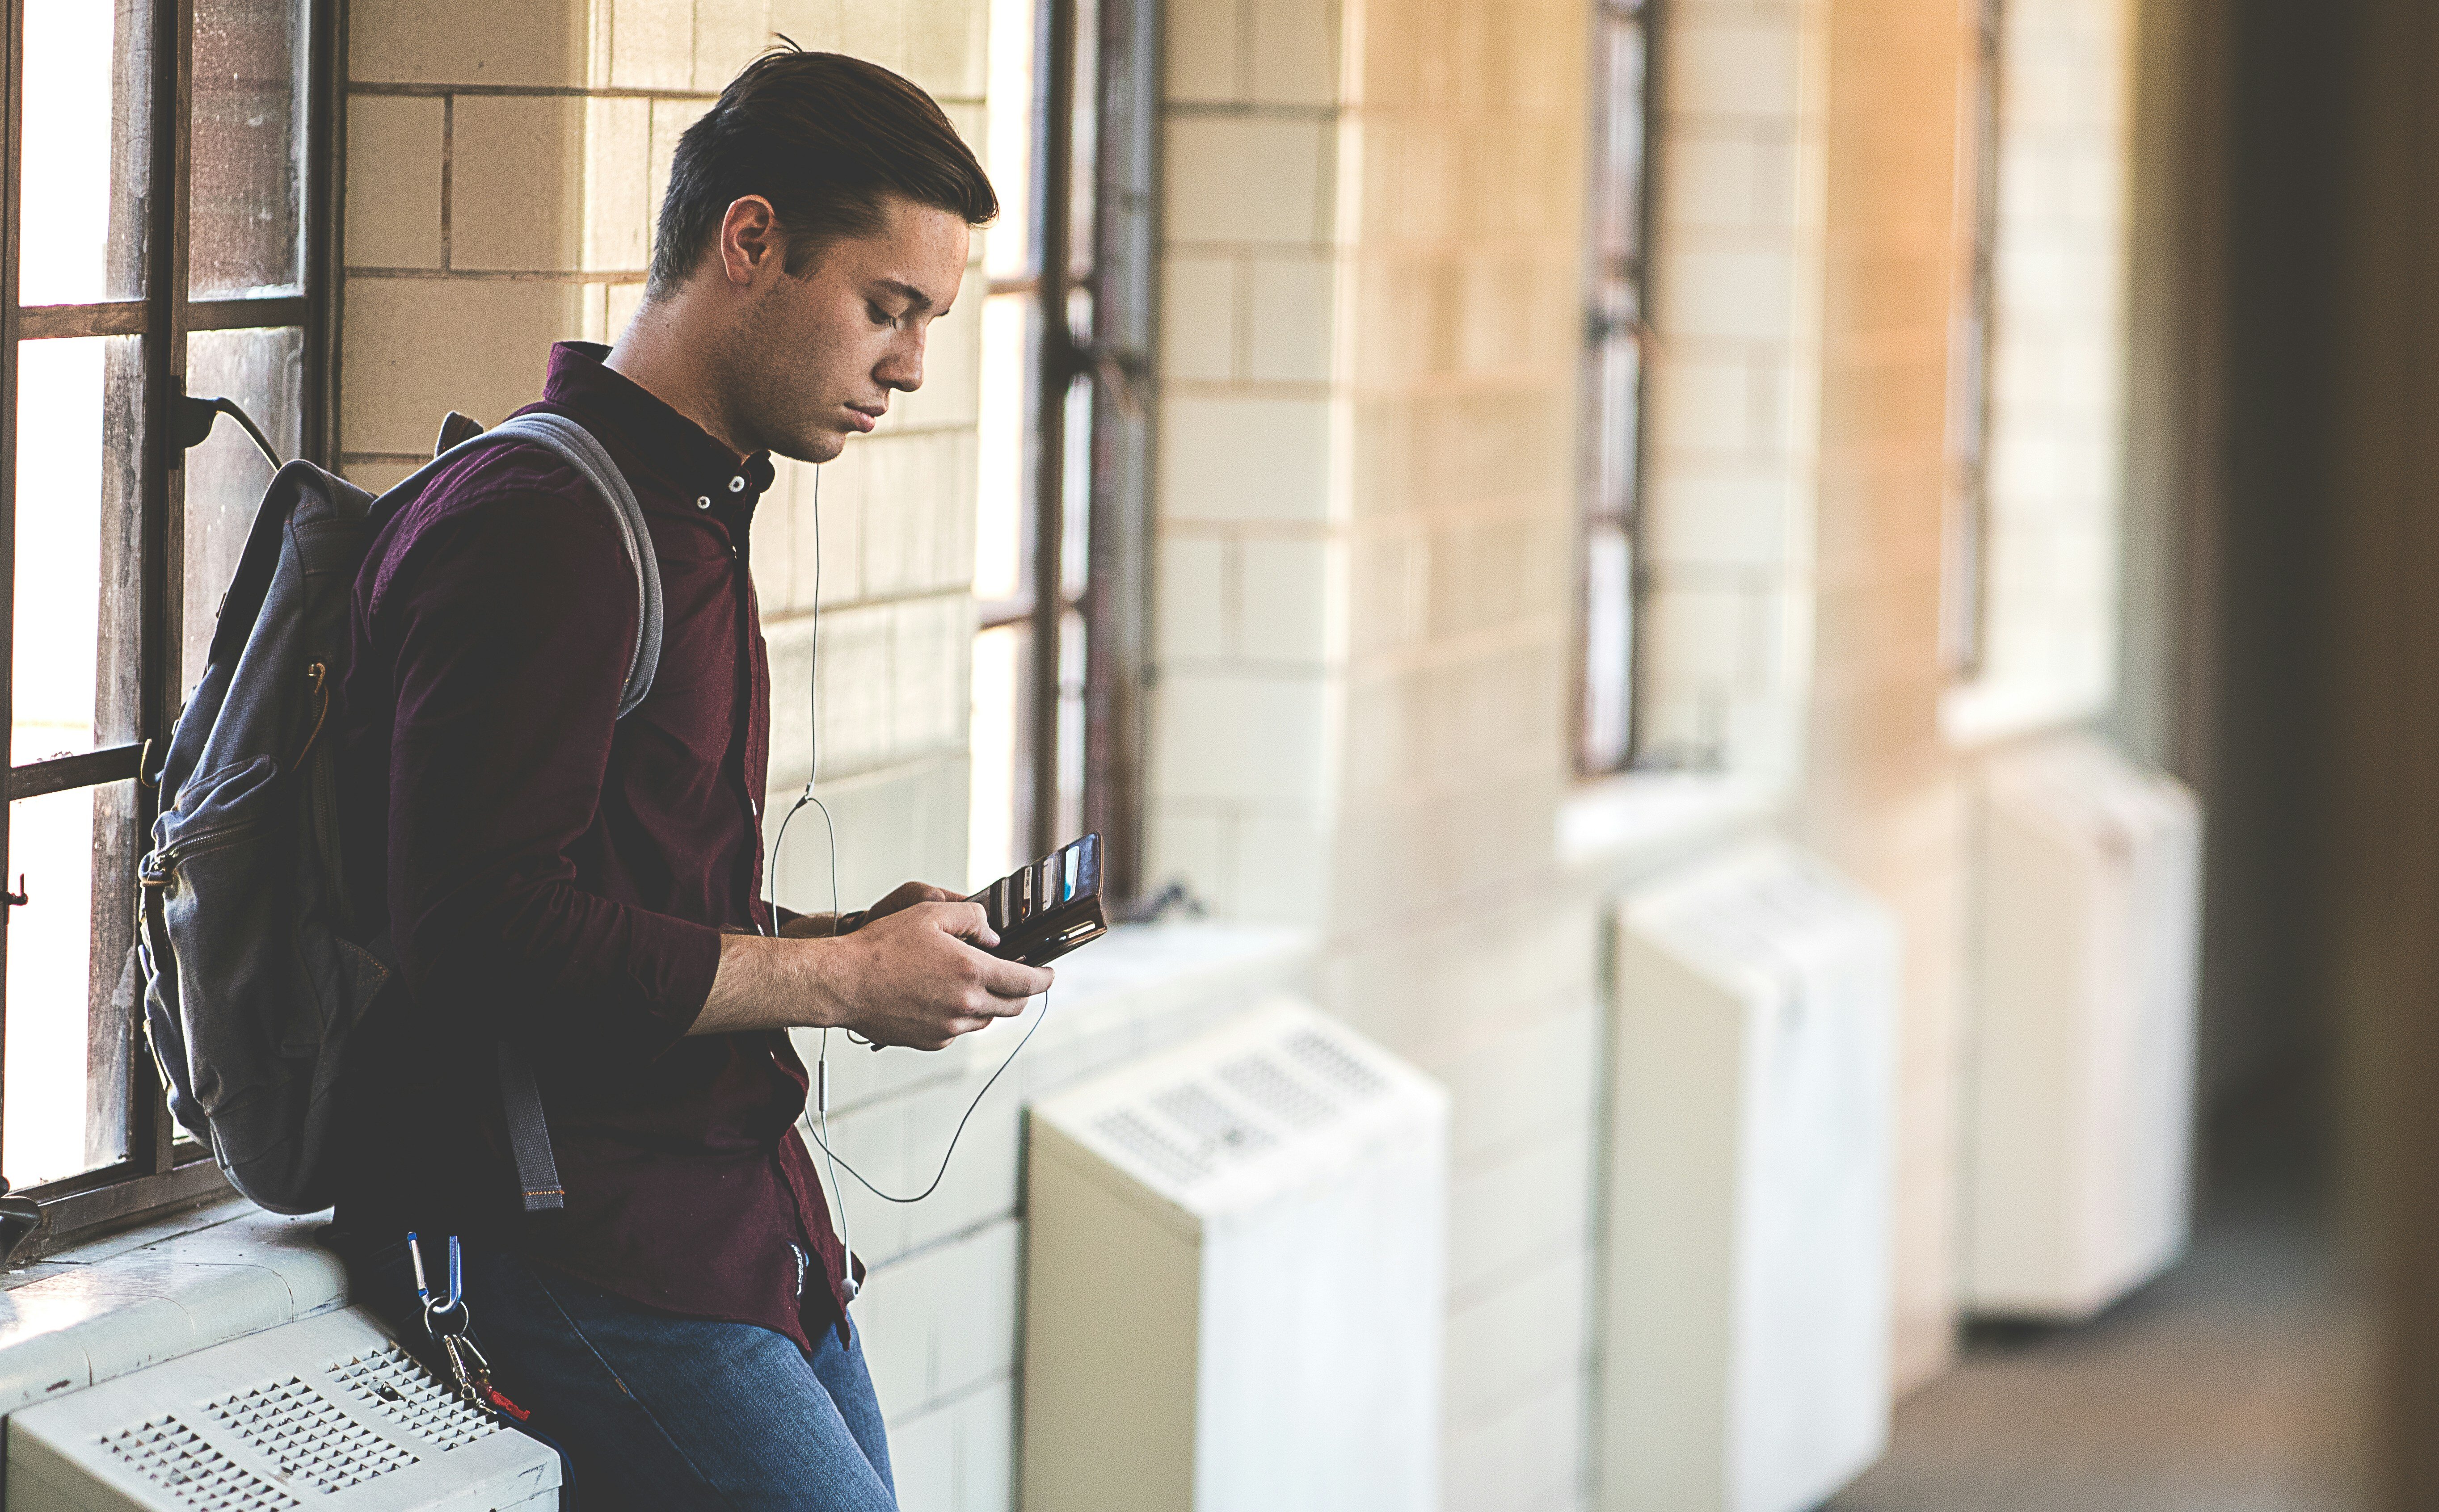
161,1172
1650,16
1121,278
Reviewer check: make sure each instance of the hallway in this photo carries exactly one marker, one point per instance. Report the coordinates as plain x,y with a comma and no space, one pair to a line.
2225,1386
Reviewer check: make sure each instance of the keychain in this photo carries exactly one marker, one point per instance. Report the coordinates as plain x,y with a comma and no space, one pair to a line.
446,1320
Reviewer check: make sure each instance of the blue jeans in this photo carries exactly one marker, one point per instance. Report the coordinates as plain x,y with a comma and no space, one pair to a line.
653,1410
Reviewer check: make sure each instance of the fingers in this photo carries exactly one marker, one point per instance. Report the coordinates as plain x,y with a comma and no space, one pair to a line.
968,921
1014,981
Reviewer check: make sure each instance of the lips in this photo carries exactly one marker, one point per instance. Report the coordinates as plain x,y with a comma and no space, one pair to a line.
865,419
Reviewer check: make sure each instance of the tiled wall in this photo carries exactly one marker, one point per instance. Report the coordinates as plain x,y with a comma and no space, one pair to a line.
2057,381
502,190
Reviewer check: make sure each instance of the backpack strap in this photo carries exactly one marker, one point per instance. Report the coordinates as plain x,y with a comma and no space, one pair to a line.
528,1130
581,450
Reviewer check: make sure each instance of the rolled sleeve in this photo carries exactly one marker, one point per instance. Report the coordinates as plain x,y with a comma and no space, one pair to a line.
514,618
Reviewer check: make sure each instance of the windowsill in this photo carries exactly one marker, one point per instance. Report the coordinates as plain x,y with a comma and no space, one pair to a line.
1637,814
118,1304
1973,716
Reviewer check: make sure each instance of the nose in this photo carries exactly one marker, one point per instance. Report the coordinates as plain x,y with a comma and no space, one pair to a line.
901,367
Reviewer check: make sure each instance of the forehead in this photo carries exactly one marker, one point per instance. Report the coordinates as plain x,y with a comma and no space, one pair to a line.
918,245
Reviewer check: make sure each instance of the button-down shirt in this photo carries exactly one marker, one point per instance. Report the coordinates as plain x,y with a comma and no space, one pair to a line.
551,872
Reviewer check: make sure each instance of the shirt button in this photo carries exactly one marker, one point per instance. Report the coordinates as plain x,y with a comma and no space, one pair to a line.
703,502
736,485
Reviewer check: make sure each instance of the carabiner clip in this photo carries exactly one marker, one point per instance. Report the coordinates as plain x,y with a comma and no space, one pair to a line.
433,1309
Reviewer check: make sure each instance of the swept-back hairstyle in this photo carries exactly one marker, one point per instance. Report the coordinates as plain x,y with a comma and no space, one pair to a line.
824,137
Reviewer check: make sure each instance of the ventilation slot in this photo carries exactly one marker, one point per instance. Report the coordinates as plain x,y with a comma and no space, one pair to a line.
393,1383
315,1445
1325,1058
1136,1134
1271,1086
1191,1106
167,1452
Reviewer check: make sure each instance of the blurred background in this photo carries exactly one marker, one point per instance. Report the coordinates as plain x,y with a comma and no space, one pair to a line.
1755,674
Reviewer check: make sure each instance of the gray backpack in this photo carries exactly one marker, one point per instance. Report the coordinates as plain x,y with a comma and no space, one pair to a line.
257,968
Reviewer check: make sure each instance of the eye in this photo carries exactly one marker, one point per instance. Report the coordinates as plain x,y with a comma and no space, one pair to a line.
880,316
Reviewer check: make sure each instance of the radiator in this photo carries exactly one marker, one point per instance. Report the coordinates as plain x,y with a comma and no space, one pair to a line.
329,1413
2080,1081
1235,1278
1745,1281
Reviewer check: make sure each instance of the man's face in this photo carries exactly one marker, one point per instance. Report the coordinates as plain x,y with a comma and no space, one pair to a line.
816,358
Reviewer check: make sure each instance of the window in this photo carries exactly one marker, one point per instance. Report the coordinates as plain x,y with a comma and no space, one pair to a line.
1610,558
167,195
1065,434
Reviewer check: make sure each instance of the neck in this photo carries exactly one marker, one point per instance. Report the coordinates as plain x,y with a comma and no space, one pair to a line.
662,352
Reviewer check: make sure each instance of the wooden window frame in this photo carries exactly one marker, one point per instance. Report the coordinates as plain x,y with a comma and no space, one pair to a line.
162,1170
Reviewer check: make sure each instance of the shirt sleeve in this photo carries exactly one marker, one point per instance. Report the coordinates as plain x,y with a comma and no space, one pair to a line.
513,620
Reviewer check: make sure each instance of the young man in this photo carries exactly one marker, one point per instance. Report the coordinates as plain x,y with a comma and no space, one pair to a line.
587,886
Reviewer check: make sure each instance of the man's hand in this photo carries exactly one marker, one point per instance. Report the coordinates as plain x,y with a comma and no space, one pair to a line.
915,976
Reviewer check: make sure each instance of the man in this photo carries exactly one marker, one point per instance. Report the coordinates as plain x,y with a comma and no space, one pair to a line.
587,886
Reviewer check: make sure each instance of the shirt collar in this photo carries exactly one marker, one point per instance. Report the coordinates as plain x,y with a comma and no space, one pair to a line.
650,434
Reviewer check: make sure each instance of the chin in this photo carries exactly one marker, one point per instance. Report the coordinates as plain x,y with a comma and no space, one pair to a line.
817,448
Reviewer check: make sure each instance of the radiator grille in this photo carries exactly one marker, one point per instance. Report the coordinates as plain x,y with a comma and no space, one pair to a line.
315,1446
173,1457
392,1382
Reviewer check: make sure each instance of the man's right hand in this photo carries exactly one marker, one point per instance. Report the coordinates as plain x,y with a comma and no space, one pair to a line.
920,977
917,977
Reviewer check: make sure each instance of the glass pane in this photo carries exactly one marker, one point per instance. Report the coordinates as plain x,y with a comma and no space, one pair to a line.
1071,728
999,527
86,159
1609,649
1075,489
1008,250
1619,226
249,148
1084,141
80,421
994,822
264,372
71,984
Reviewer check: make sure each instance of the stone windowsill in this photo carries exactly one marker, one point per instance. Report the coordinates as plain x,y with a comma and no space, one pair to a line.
1638,815
119,1304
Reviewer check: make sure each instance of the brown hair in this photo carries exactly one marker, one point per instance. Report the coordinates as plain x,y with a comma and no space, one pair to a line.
824,137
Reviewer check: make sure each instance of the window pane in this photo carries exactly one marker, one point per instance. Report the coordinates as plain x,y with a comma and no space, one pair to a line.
264,372
79,421
1609,649
249,143
994,822
1069,821
1009,144
1000,555
85,174
71,984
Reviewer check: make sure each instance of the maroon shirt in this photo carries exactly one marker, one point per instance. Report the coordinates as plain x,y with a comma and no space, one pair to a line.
550,872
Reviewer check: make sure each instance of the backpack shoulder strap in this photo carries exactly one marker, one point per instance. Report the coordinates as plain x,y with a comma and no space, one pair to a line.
583,452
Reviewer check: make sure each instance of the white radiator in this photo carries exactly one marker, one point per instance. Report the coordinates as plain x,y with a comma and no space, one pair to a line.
2081,1081
1234,1278
329,1413
1746,1288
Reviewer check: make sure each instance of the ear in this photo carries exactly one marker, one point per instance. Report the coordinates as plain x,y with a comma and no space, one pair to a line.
750,239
